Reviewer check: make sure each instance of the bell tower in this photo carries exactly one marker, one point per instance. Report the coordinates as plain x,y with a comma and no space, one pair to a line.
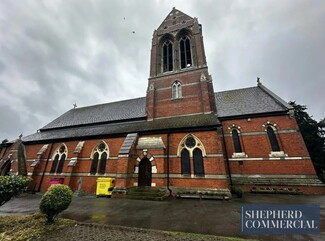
179,82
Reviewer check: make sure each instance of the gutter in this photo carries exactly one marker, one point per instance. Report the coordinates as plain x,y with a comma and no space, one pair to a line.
47,161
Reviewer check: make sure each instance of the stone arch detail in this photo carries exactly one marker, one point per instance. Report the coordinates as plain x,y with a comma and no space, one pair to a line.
198,144
151,158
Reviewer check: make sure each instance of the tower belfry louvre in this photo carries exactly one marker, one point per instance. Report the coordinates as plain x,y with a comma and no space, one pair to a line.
181,138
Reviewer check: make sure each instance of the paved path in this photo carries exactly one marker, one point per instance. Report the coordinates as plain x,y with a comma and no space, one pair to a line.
185,215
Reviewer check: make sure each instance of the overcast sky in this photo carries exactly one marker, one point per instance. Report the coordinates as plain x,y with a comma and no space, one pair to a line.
57,53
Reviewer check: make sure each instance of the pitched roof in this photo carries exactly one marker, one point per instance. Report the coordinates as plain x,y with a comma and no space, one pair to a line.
175,20
192,121
249,101
110,112
129,116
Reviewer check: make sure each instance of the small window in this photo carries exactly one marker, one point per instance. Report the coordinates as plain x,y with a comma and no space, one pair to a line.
272,138
177,90
167,56
185,51
236,141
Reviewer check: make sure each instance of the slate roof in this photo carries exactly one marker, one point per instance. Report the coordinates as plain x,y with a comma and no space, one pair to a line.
192,121
129,116
249,101
110,112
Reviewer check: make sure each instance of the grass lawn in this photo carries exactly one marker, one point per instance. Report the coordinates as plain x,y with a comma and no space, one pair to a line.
26,227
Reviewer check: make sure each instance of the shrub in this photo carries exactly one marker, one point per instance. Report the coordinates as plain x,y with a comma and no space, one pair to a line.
57,198
237,191
12,186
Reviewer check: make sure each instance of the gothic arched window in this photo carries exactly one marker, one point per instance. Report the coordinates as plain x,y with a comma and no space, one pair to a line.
198,162
176,90
185,52
167,54
236,141
272,138
191,149
185,162
99,154
59,159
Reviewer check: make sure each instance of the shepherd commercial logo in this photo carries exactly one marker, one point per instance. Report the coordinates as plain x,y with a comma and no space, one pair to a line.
280,219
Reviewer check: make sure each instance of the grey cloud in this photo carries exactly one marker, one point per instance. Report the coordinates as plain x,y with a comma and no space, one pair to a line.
59,53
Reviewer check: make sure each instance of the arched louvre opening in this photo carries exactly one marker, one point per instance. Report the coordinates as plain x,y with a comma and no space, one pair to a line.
185,52
198,162
55,163
185,162
167,56
94,163
61,163
102,164
236,141
272,138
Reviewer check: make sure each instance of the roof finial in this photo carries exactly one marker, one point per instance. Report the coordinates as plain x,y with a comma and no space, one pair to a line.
20,136
74,105
258,81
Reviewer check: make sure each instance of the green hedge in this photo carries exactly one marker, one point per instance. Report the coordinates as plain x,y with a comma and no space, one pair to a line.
12,186
57,198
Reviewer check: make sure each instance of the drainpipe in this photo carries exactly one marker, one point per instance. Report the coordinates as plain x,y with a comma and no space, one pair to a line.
226,155
167,150
47,161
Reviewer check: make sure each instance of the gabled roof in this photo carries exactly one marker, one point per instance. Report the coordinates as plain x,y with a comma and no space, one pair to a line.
83,132
110,112
129,116
249,101
175,20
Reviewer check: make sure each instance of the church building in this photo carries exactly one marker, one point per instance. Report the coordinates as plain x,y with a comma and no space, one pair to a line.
182,137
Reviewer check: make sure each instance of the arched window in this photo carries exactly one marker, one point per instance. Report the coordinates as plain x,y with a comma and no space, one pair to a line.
167,53
94,163
236,141
99,154
191,149
198,162
185,162
176,90
272,138
59,158
185,52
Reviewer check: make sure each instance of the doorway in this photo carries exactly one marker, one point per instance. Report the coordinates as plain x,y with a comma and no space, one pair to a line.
144,178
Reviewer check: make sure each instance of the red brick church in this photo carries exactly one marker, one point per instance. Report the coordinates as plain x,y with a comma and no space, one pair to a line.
182,137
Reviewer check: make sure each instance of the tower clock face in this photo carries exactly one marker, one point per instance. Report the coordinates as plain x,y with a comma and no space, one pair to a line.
190,142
